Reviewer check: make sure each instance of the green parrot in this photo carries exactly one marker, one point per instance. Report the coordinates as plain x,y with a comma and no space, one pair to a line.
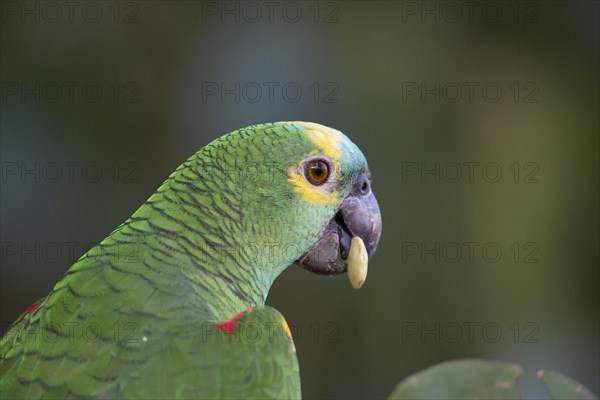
172,303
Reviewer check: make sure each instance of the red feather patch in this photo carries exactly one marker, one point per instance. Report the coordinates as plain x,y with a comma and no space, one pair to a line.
31,308
229,326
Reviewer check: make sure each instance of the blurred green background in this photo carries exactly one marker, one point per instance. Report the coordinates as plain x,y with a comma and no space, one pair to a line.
441,97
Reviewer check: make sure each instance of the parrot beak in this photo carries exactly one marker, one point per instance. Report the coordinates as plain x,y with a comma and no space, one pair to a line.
350,238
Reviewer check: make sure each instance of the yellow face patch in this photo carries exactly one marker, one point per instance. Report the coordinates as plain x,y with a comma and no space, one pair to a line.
309,192
326,139
327,142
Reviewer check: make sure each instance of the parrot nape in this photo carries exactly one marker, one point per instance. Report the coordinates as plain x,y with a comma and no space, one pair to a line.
172,303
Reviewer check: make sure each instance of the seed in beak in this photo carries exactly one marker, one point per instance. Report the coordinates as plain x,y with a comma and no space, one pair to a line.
358,262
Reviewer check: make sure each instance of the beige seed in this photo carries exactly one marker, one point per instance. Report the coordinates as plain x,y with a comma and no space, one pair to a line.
358,262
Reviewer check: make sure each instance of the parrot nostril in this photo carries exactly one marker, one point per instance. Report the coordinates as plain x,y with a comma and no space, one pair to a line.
362,185
365,186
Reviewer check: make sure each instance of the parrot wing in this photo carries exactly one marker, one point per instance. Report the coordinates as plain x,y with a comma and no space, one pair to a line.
249,356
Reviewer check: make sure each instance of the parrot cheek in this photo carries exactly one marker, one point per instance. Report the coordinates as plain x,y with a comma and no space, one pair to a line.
358,216
325,257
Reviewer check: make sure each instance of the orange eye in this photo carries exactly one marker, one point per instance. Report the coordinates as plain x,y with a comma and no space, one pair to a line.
317,172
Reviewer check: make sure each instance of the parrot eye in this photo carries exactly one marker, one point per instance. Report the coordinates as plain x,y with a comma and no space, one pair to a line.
317,172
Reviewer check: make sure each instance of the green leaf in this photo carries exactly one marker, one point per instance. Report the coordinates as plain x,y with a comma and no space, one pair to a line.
462,379
561,387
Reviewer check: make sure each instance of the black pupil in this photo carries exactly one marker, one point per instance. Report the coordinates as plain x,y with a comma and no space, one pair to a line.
318,169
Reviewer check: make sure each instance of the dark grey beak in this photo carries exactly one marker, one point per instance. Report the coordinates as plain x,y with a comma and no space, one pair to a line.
358,215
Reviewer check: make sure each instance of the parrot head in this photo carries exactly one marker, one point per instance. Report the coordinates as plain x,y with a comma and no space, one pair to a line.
306,197
335,176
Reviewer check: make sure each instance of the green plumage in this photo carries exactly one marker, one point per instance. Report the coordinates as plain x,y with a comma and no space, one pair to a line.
192,360
135,316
